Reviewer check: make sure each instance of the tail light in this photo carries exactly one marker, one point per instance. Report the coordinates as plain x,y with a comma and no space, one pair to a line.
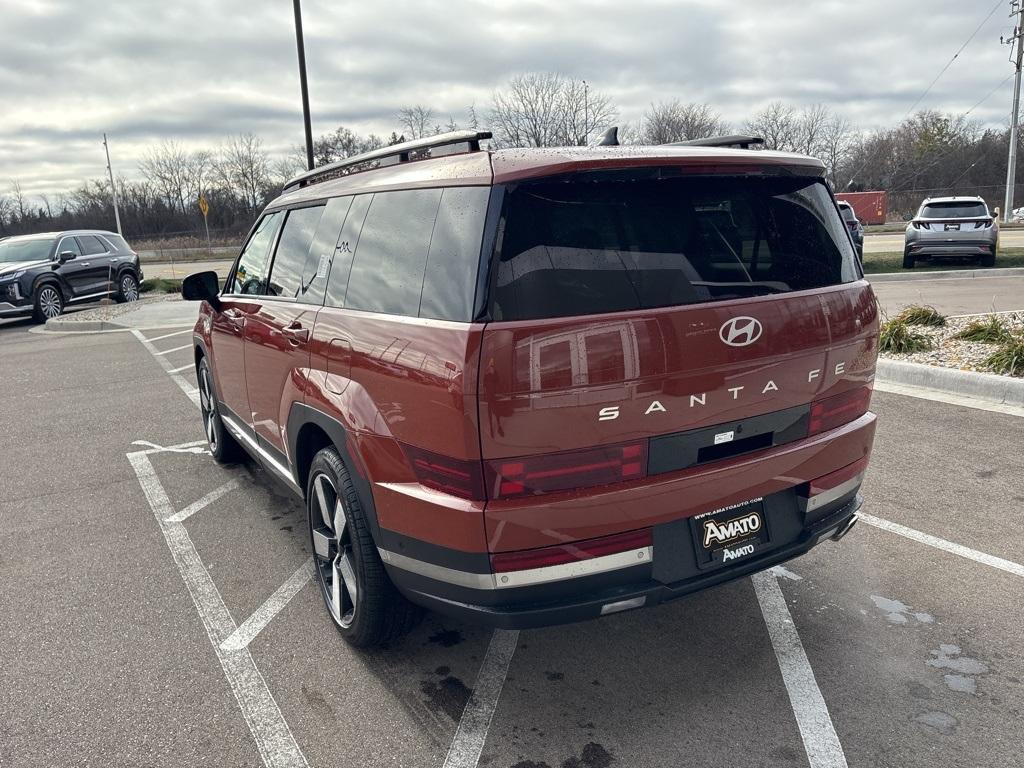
442,473
841,409
510,478
983,224
506,562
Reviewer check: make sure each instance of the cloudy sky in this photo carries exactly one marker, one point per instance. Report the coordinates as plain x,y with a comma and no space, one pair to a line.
197,70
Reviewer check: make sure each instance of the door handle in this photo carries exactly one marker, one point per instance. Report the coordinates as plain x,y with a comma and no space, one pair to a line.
295,333
232,314
86,264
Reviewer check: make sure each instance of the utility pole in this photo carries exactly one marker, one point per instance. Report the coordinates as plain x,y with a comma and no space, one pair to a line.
302,83
113,186
1017,8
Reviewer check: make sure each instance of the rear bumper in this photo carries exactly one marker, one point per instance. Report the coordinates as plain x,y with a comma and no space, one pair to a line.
974,247
669,574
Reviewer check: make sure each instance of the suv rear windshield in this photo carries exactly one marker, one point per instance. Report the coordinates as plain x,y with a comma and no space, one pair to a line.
585,246
847,212
953,210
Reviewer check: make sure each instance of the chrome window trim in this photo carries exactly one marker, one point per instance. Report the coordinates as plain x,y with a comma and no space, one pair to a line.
530,577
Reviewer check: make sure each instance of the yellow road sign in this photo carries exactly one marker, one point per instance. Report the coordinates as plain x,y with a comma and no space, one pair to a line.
203,205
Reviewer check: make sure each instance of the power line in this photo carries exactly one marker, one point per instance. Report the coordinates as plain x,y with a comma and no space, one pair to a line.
955,56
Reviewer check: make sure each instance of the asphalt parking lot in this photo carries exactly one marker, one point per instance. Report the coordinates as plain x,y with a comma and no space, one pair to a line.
157,610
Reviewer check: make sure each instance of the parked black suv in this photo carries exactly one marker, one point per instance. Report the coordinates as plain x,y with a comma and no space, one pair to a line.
41,274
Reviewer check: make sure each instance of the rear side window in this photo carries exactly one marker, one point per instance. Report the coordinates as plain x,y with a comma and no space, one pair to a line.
348,241
954,210
286,274
91,245
390,260
848,213
250,274
323,250
454,257
615,244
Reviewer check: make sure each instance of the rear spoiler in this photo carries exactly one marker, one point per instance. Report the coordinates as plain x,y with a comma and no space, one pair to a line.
735,142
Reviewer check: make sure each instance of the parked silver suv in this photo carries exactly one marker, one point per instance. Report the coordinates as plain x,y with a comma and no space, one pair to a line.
960,227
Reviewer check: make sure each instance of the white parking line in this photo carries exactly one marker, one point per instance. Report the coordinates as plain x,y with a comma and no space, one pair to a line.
946,546
187,367
175,349
274,739
169,335
190,391
476,717
812,718
195,506
273,605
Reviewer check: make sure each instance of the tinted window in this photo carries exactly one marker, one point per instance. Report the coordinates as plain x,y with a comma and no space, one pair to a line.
848,213
292,249
27,250
389,262
322,252
69,244
118,242
250,275
341,266
954,210
625,244
454,257
91,245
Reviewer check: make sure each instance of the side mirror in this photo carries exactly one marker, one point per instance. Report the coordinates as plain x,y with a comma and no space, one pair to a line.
66,256
202,286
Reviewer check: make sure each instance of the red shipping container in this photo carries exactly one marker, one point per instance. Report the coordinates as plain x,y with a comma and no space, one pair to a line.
870,207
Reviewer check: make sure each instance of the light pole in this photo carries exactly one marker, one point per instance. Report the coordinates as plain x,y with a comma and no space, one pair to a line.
113,186
302,83
586,113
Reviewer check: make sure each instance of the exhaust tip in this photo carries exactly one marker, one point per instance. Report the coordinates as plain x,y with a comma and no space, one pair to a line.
846,528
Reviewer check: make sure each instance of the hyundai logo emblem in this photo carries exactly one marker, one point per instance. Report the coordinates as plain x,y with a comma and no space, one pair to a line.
740,331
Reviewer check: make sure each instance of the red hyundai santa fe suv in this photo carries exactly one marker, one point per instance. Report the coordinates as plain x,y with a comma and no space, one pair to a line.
535,386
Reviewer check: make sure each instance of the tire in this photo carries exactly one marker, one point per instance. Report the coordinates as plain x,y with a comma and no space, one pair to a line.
988,261
362,602
223,447
127,288
908,260
48,303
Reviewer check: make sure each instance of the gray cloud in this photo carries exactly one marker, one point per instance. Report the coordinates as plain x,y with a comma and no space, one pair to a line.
199,71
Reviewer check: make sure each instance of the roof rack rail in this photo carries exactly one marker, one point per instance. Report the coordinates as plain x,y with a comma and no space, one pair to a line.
418,149
737,141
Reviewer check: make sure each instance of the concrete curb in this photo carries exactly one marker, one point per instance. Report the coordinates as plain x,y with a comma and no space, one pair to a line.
1005,390
67,325
952,274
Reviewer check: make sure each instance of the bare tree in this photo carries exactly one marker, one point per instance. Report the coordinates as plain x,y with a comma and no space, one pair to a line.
811,125
178,174
243,167
416,121
669,121
20,206
838,139
777,124
544,109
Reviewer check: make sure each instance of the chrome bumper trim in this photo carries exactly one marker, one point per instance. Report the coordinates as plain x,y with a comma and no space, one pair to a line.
530,577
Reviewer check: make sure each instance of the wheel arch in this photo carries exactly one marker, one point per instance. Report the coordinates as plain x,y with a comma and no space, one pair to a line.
309,431
49,277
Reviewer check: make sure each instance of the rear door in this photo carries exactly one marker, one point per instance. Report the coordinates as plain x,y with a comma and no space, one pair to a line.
277,330
241,298
637,308
94,265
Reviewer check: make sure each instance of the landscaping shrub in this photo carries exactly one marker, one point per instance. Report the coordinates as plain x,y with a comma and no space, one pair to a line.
1009,357
899,337
922,315
992,330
